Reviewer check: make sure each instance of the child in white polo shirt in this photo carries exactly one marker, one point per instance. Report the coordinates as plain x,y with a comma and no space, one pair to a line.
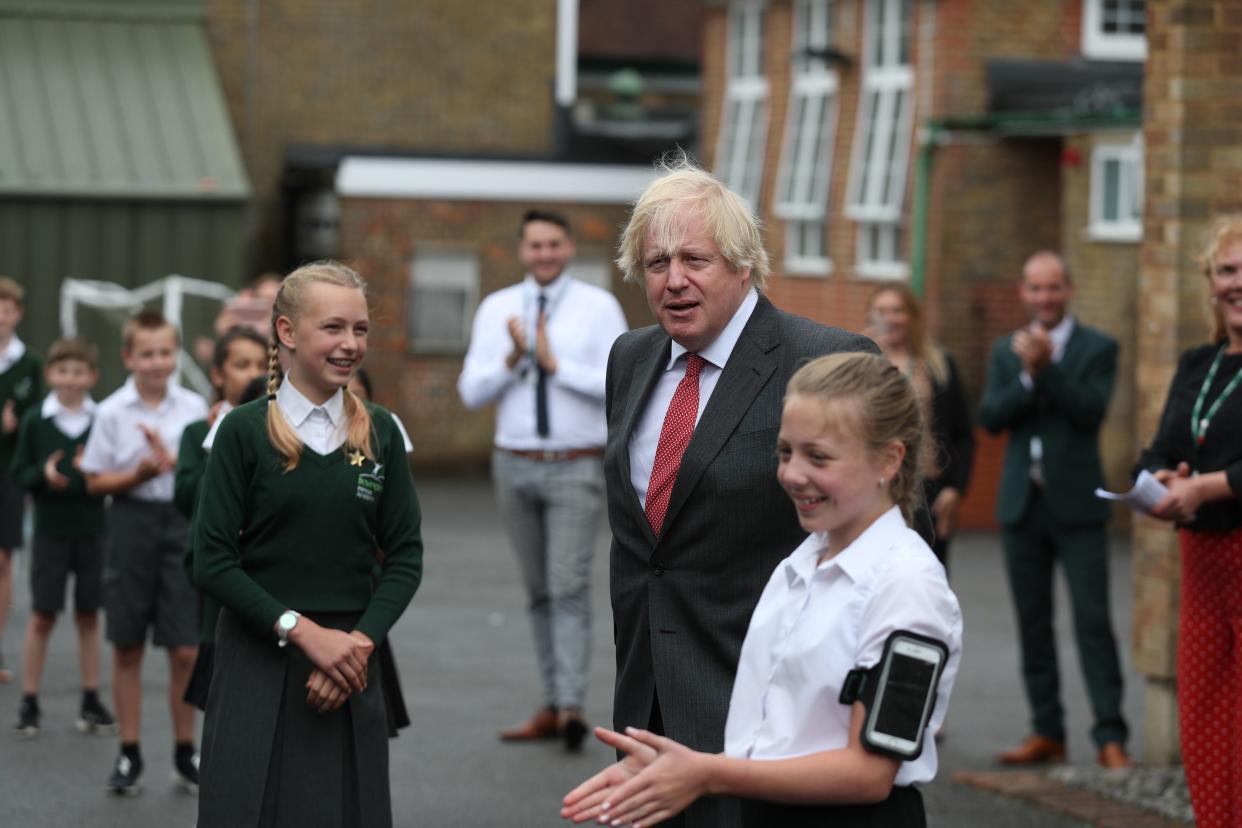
130,455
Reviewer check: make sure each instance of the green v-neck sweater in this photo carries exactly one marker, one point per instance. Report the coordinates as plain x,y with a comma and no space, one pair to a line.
23,384
267,540
67,514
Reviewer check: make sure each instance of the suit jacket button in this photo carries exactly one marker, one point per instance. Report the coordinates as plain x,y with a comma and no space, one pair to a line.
657,570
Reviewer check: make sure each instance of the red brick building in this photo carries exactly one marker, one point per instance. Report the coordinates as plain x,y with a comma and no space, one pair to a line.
939,141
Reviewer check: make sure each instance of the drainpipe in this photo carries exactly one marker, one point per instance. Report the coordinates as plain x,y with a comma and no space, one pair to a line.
566,72
929,136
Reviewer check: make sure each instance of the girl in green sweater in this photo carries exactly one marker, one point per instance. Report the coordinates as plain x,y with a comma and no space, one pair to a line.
300,490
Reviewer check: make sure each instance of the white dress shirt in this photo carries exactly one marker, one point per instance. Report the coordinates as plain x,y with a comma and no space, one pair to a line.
11,353
583,322
71,422
225,408
646,436
320,427
117,443
817,621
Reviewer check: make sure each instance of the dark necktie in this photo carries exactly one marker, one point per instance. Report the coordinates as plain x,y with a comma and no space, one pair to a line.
675,435
541,383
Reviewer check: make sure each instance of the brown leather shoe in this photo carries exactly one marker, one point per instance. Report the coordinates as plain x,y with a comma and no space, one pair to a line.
1034,750
573,728
543,725
1113,756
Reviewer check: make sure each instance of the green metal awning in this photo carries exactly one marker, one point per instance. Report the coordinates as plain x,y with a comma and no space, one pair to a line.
113,100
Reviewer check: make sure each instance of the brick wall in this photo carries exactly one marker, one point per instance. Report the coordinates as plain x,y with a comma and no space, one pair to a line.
380,237
420,77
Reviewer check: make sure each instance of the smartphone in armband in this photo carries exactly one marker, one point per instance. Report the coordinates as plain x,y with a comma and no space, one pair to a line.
899,693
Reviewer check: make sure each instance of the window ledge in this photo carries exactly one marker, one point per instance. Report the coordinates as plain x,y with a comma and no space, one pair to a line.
1115,233
882,270
817,268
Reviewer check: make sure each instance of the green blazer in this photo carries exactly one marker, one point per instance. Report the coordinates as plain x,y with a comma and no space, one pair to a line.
1065,409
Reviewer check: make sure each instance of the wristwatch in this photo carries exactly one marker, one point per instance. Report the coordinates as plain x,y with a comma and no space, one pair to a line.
285,624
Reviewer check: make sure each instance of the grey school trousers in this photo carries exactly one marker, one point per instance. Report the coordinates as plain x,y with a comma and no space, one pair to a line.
551,511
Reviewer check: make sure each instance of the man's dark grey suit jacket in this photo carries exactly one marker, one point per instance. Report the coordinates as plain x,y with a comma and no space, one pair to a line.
681,602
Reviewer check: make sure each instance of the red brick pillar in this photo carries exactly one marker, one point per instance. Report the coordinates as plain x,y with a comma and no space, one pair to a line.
1192,128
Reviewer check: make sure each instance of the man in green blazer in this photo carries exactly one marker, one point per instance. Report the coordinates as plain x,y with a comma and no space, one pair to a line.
1048,385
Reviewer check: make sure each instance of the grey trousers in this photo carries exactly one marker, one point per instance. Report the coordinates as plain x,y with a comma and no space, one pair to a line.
551,512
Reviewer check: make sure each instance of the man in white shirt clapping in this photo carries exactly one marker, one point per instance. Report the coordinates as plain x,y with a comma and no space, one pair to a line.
539,349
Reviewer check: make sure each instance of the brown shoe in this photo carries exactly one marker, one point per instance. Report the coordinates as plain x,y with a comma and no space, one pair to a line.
573,728
1113,756
1034,750
542,725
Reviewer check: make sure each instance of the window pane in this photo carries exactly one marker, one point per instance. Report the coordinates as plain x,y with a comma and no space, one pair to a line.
437,316
1110,203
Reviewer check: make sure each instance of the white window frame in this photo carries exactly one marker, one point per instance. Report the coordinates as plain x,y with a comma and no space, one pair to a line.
462,274
744,111
877,186
1101,45
1129,157
810,128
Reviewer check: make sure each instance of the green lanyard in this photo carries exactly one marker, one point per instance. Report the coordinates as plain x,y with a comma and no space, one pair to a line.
1199,427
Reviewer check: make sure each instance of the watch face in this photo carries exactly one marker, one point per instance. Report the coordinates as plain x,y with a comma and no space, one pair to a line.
288,621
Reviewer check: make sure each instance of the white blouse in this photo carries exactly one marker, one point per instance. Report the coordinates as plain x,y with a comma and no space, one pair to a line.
817,621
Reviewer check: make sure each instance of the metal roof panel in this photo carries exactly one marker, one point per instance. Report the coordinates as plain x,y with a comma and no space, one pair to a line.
113,107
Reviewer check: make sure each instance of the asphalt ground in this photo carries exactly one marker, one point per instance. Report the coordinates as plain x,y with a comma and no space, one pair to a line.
467,667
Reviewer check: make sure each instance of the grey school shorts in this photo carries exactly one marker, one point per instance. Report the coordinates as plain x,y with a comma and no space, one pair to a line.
51,561
145,582
12,509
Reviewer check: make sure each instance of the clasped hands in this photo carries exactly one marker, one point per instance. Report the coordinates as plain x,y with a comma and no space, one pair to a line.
543,350
656,780
1033,347
160,460
1184,498
340,660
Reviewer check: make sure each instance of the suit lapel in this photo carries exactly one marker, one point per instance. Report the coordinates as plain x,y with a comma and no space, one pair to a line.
744,376
646,371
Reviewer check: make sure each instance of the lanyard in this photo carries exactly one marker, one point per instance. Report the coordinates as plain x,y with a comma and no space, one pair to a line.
1199,427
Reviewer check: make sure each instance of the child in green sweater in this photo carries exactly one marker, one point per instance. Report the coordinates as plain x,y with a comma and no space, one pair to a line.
21,387
301,488
239,356
68,533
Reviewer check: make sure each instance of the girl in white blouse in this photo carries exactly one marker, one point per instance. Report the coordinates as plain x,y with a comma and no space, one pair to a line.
850,451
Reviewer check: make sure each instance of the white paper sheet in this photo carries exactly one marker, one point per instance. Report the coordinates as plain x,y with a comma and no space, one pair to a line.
1147,492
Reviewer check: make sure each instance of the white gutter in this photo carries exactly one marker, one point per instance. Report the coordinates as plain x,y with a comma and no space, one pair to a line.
566,52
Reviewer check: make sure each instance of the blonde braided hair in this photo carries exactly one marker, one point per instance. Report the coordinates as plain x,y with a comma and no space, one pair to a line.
288,303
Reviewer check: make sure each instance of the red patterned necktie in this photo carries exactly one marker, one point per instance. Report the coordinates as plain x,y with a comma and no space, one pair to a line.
675,435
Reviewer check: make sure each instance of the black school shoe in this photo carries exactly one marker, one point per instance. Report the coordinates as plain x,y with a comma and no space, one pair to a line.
27,726
94,718
185,771
125,776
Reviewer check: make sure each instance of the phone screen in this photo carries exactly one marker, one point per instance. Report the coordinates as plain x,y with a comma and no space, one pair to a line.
904,697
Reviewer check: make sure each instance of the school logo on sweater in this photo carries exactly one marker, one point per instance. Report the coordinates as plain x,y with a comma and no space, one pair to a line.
22,388
371,484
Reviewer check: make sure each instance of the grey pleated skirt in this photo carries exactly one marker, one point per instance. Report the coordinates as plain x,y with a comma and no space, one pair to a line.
270,760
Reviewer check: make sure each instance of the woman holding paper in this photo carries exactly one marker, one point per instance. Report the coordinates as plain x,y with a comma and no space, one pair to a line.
1197,453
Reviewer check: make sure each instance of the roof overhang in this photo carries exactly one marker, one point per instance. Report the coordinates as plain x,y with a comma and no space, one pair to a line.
481,180
113,100
1059,97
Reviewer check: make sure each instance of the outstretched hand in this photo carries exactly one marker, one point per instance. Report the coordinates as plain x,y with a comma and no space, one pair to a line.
657,779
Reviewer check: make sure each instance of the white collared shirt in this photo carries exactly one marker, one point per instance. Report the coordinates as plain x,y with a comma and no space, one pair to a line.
69,421
11,353
225,408
646,436
817,621
320,427
118,444
583,322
